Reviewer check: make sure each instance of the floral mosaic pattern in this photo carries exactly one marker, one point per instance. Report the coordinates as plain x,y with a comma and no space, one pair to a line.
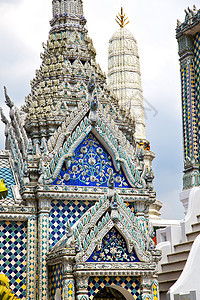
113,249
91,166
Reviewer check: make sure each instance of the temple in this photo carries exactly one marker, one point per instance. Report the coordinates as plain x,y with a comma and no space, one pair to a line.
124,75
74,223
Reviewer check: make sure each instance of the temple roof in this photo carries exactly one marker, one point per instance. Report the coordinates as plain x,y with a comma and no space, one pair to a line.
190,26
69,96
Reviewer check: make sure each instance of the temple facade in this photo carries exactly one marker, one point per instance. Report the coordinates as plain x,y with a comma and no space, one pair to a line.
74,211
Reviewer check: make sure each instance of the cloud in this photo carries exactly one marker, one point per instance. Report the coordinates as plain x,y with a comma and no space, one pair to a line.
10,2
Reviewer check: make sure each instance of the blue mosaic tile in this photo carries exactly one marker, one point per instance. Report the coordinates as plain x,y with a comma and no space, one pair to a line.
61,212
132,284
91,166
113,249
13,255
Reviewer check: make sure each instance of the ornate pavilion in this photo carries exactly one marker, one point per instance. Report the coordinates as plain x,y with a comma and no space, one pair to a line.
78,173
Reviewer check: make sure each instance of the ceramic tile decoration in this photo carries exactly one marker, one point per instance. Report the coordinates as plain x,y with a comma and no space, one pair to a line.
130,284
61,212
79,172
13,255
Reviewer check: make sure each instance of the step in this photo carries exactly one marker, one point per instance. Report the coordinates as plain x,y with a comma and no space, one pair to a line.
183,246
192,235
163,296
176,265
173,257
196,226
198,218
169,276
165,286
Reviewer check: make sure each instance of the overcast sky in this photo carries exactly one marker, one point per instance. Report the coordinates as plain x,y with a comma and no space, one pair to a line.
24,25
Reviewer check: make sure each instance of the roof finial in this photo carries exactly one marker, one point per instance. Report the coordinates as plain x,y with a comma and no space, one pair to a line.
121,20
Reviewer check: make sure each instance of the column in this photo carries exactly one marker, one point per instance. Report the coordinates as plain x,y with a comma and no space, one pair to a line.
31,260
43,247
146,291
82,287
68,280
155,289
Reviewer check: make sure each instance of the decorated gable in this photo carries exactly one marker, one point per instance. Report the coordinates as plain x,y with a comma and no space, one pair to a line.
91,166
113,249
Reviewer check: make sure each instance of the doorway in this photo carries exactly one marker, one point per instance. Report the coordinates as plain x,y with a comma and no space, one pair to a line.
109,293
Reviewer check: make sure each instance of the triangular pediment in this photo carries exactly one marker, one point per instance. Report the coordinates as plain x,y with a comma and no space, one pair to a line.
91,165
113,249
125,160
108,232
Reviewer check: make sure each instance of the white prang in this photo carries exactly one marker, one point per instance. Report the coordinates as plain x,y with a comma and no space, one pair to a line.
124,77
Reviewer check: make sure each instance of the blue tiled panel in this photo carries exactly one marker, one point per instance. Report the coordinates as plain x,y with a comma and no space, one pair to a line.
13,255
113,249
91,166
61,212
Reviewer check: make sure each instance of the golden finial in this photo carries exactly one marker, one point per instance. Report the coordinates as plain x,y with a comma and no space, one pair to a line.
121,20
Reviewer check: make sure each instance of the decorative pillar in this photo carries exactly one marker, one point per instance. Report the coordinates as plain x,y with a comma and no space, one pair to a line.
155,289
82,287
43,246
68,280
31,250
146,292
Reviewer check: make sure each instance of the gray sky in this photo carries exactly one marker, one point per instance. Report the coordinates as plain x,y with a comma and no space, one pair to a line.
24,25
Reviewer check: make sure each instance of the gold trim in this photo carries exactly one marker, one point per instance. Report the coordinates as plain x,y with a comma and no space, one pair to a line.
121,19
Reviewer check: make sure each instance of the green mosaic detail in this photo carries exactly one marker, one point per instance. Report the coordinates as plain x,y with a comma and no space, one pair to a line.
155,291
61,212
13,255
43,250
189,111
32,234
197,77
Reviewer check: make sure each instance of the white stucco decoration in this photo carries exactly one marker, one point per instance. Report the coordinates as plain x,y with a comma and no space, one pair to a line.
190,277
124,76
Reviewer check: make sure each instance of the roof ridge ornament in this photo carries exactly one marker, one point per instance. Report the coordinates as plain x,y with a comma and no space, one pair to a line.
93,100
121,19
8,101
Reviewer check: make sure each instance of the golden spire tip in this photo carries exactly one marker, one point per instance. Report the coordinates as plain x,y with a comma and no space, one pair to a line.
121,19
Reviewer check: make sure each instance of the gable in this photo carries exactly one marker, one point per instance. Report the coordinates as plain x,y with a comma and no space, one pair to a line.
91,166
113,249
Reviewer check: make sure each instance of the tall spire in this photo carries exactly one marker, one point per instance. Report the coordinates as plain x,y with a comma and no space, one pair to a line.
124,74
67,12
